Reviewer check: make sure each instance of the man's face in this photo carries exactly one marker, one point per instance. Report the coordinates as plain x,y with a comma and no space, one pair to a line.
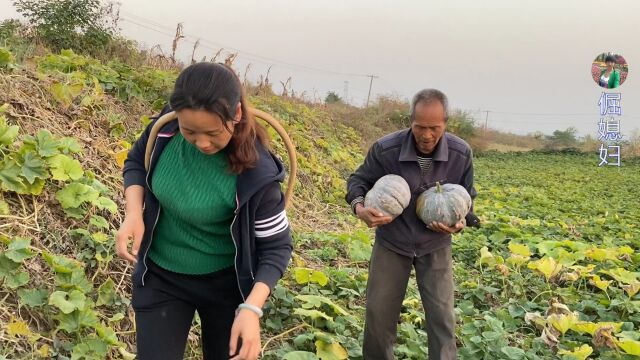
428,125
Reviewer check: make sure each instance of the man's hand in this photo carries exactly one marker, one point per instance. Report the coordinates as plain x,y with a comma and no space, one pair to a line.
442,228
371,216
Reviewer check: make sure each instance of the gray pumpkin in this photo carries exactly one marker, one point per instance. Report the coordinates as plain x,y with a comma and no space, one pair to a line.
390,195
447,204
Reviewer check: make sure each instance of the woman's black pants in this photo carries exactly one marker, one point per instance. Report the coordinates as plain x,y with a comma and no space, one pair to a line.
165,307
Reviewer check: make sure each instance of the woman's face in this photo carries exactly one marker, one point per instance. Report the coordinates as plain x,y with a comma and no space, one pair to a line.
205,130
609,64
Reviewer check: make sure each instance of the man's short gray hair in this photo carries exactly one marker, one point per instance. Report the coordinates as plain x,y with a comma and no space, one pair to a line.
427,96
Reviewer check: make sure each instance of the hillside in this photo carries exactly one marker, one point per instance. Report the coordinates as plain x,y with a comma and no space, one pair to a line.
553,272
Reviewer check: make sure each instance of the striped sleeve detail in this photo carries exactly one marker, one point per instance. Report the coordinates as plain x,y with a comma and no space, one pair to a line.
273,225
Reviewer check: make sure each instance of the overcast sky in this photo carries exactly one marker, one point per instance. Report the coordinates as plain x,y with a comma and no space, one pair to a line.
527,62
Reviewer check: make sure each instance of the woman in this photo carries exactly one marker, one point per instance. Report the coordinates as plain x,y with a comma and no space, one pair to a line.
609,77
209,228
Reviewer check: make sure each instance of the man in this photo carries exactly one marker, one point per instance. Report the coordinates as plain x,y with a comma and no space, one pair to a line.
423,155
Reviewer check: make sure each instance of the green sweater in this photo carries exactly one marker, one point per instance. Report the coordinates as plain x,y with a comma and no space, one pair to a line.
198,198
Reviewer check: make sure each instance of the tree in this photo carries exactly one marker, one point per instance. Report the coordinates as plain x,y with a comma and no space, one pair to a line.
81,25
562,139
332,98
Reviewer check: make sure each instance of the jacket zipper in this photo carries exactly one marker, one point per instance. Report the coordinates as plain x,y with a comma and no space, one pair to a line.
144,259
235,260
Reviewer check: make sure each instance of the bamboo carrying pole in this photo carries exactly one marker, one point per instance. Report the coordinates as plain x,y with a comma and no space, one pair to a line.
291,150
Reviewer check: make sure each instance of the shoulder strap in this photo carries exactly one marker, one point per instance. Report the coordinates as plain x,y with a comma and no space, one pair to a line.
291,150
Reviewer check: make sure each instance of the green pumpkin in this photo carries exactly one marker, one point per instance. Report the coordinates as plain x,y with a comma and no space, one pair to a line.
389,195
447,204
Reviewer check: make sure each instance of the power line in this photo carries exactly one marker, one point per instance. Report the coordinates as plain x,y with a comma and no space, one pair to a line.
247,54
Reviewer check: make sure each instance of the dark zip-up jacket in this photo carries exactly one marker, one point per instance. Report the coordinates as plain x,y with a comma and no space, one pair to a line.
396,154
260,228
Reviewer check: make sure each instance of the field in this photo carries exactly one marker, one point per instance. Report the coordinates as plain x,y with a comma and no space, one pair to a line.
554,272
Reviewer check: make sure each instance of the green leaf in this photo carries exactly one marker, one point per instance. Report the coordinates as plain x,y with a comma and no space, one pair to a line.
333,351
104,203
99,222
100,237
75,194
90,348
8,133
359,251
6,58
33,167
77,320
47,145
107,334
66,93
304,276
16,280
106,293
64,168
69,145
300,355
4,207
11,177
33,297
513,352
7,266
67,302
19,250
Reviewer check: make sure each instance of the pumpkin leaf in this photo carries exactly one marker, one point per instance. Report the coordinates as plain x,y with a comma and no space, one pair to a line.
621,275
300,355
631,347
547,266
75,194
19,250
333,351
64,168
599,283
67,302
631,289
313,314
578,353
33,297
562,322
519,249
33,167
305,275
8,133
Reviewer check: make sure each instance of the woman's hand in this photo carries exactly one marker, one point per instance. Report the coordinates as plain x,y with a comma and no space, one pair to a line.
132,228
247,327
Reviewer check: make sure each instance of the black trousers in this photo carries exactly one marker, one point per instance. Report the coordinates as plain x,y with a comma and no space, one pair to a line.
165,307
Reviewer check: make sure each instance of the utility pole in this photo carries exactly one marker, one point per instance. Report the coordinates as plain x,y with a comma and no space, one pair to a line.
345,95
486,121
370,85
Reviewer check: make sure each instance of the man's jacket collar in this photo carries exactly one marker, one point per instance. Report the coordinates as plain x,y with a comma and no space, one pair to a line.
408,150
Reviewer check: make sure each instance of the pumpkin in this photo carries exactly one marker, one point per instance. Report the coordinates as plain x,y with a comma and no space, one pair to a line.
389,195
447,204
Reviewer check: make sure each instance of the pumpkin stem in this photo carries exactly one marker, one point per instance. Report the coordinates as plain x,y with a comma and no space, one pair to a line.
438,187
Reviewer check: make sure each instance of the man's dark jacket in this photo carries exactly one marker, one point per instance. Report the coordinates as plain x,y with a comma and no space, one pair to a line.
396,154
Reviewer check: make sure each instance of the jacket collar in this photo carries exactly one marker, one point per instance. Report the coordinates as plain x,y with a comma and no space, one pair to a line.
408,149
